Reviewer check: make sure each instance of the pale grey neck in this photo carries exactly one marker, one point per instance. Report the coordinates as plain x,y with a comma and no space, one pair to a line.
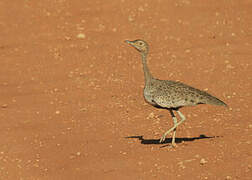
147,74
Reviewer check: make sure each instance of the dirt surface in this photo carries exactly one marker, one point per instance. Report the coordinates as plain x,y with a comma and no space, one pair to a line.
71,103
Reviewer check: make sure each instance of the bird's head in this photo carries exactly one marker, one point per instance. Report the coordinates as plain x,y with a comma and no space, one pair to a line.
140,45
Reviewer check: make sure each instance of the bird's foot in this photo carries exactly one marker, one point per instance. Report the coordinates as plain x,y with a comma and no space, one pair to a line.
174,145
162,139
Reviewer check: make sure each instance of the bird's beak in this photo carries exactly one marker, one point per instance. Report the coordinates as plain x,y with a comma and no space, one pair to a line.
132,44
127,41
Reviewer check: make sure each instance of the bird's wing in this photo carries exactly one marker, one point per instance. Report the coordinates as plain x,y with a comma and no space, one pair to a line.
176,94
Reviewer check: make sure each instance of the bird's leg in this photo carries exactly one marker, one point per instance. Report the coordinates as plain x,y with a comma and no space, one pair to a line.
174,132
162,139
181,116
174,127
175,121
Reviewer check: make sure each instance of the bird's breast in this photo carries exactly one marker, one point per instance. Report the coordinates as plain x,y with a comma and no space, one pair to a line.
148,95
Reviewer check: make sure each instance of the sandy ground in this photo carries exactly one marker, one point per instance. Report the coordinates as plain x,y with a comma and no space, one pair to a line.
71,103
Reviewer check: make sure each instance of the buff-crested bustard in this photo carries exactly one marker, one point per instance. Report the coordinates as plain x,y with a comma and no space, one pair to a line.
168,94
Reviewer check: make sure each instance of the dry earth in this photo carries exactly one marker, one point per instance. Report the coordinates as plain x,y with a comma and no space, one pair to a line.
71,103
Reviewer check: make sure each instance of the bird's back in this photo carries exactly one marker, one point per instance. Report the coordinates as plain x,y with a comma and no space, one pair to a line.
171,94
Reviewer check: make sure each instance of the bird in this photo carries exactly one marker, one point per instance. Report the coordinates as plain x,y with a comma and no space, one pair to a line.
170,95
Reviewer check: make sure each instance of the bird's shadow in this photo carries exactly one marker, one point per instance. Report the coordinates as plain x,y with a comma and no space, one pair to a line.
169,140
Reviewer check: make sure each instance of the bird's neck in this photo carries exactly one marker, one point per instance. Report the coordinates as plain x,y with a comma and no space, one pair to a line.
147,74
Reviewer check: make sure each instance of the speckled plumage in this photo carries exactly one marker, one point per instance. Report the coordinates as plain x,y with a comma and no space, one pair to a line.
170,94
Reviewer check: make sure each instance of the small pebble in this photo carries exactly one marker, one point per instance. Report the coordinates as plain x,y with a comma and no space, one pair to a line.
203,161
4,105
141,9
197,156
81,36
151,115
228,177
130,18
187,50
57,112
83,109
67,38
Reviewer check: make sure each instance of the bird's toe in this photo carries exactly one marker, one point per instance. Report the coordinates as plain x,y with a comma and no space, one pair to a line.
162,139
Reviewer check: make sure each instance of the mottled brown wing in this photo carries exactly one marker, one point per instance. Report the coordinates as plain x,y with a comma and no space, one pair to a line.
175,94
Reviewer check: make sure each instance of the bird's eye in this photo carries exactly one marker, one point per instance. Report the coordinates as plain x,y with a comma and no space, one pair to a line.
140,43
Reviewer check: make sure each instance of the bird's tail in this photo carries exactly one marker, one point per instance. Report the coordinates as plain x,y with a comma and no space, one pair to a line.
215,101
